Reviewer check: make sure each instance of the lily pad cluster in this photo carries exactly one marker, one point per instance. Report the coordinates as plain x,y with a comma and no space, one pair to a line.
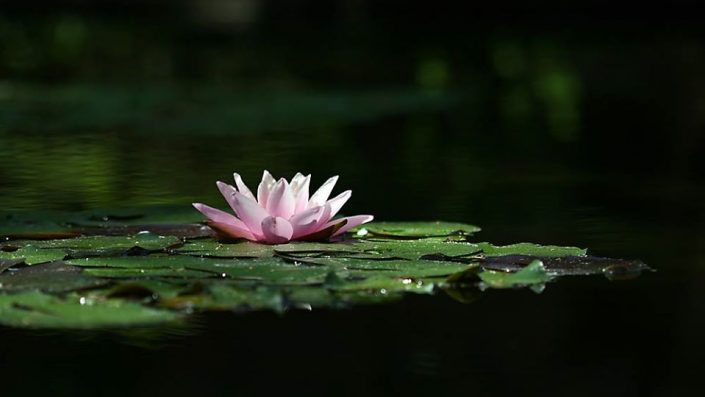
124,269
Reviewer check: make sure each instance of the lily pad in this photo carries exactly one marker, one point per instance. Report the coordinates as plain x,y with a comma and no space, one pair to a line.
568,265
33,252
48,277
123,272
534,276
41,310
414,230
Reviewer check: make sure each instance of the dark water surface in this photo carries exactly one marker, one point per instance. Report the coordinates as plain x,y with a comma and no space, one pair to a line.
587,137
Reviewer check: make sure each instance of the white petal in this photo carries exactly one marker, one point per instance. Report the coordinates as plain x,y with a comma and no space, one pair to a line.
338,201
296,182
323,192
301,194
264,188
281,200
352,221
241,187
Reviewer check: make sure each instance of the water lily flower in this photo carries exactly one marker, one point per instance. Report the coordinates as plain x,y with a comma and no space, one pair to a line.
281,212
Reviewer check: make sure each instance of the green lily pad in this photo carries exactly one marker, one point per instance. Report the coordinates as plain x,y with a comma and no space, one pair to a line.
48,277
530,249
140,273
384,250
534,276
124,272
386,285
40,310
412,230
569,265
214,249
33,252
264,270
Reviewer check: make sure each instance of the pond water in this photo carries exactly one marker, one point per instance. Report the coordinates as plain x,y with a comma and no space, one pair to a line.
557,138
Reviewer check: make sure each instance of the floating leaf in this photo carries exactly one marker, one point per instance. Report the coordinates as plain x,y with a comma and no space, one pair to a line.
386,285
8,263
534,275
529,249
414,230
48,277
40,310
120,275
568,265
33,252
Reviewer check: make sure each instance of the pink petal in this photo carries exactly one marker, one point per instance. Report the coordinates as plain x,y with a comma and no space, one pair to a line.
352,222
323,220
276,230
281,200
324,233
219,216
305,222
249,212
338,201
227,192
231,231
264,188
323,192
241,187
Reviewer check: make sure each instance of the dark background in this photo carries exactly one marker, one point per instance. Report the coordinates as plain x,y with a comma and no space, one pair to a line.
579,124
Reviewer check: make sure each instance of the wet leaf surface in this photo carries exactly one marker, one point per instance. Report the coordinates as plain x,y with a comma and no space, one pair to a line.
34,309
48,277
534,275
128,267
414,230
